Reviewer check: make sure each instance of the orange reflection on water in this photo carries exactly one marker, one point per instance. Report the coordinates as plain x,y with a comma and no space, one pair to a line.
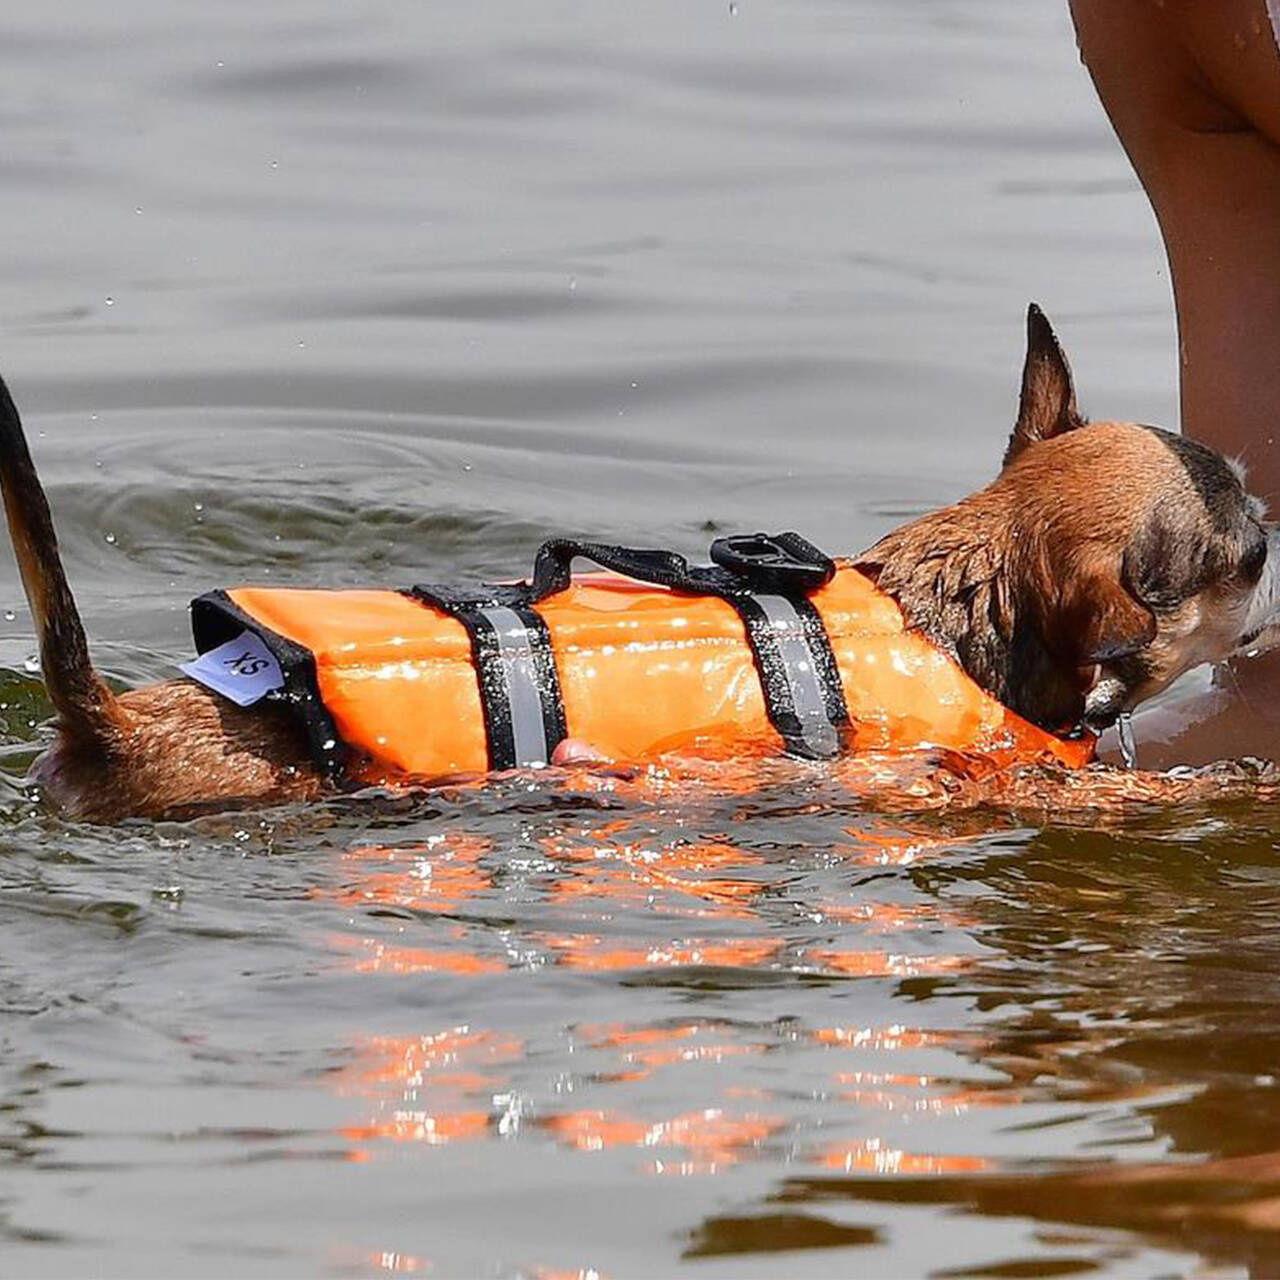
889,917
375,956
653,1058
892,847
889,1038
710,1139
586,951
649,1048
617,1035
870,1155
906,1093
406,1062
626,873
349,1260
428,1087
399,1263
436,874
431,1129
883,964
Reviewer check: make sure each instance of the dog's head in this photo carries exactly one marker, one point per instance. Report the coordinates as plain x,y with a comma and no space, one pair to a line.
1144,554
1104,560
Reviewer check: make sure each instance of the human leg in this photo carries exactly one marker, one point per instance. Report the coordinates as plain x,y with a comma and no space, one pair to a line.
1192,88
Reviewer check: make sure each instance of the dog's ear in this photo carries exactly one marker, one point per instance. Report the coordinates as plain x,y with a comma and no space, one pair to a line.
1047,407
1102,620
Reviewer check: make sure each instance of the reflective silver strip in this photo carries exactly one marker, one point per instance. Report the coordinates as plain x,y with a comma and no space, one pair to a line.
816,729
523,699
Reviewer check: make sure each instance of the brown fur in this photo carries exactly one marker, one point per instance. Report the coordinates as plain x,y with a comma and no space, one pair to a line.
1093,551
1024,581
1101,562
179,750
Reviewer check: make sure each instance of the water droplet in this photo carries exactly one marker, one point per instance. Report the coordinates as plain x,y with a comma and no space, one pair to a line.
31,665
109,300
137,208
573,283
733,9
109,538
199,506
302,346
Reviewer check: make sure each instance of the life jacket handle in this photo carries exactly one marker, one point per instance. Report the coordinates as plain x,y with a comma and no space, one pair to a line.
782,563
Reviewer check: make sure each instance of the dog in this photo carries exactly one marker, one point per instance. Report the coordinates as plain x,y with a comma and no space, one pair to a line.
1103,561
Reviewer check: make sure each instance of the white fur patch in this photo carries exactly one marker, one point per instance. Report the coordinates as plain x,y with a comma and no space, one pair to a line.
1257,506
1264,609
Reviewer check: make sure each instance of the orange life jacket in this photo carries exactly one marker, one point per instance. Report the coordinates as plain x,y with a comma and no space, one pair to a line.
393,683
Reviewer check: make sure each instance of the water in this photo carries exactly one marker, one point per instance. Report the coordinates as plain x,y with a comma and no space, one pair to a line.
327,294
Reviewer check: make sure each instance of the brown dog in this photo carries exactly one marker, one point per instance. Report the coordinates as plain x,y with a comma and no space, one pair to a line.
1102,562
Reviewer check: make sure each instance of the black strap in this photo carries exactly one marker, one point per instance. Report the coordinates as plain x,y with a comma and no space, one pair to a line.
519,688
784,563
766,578
798,674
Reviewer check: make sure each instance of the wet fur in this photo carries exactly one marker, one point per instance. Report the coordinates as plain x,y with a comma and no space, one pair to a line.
1102,547
1104,559
1044,575
176,750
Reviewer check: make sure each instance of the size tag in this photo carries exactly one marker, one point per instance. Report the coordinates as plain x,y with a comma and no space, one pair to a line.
243,669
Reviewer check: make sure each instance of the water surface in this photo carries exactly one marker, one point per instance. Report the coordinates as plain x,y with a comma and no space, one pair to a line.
308,293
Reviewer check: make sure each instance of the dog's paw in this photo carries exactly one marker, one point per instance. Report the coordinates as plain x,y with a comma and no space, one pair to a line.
573,751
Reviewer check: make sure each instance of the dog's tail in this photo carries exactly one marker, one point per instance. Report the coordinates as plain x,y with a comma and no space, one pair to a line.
87,709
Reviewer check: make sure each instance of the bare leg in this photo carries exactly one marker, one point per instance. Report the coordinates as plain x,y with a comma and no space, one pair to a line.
1192,88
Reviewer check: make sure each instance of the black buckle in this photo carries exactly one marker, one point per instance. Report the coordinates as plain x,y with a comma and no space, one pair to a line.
779,562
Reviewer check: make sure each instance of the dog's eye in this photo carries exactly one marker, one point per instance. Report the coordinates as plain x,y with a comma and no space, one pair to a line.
1253,560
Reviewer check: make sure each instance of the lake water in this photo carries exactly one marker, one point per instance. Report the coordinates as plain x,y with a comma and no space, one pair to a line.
328,294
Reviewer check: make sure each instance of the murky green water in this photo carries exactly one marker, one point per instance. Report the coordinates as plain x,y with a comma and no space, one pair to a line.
317,294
